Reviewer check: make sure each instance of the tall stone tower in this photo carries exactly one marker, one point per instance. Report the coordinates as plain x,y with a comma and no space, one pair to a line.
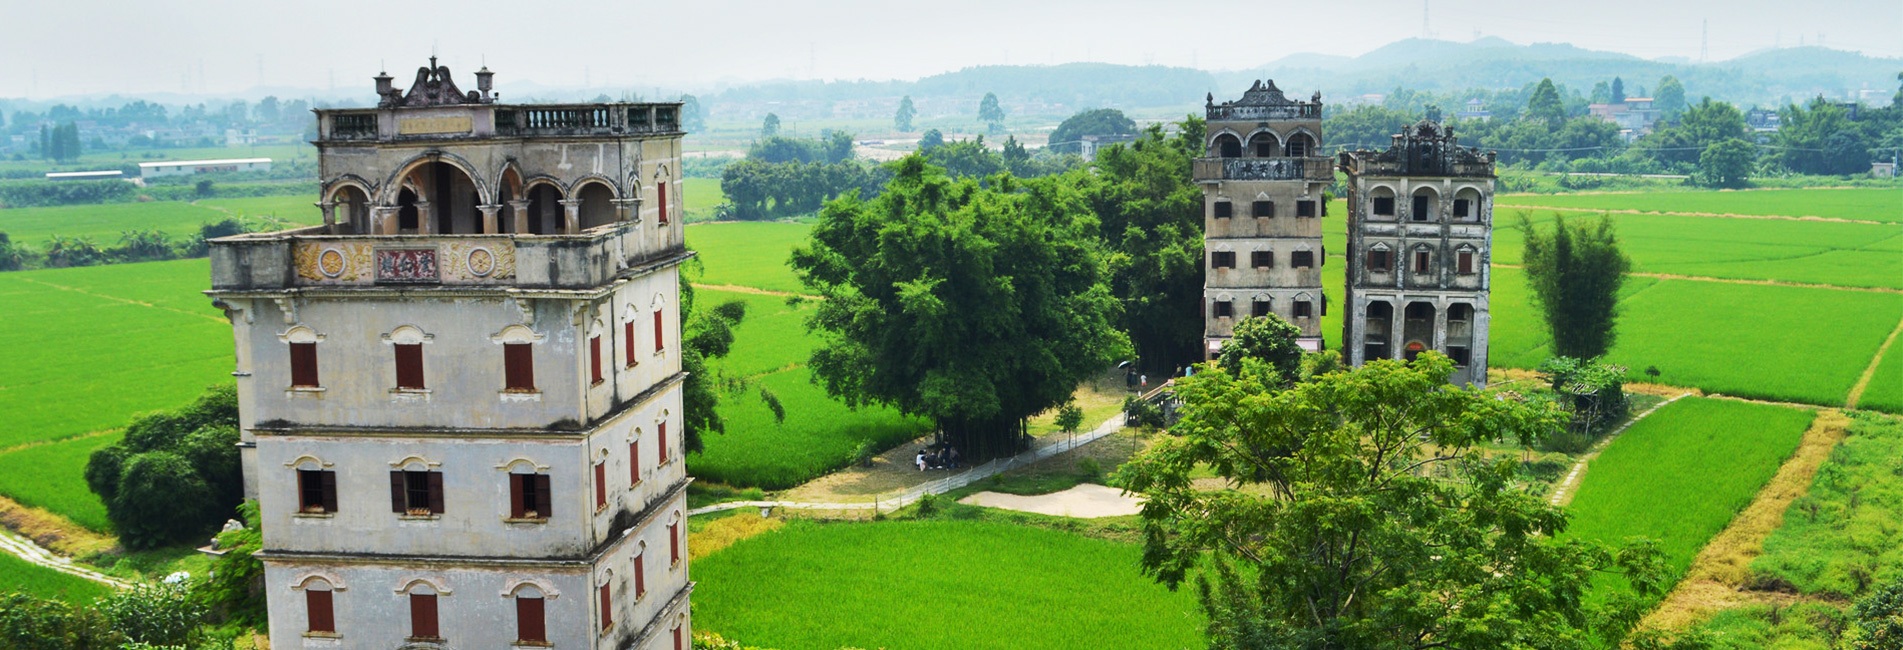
1262,178
1420,234
461,395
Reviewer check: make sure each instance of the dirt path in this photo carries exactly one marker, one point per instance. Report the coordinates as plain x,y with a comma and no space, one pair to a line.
1718,575
1084,501
734,288
1563,493
42,526
1870,372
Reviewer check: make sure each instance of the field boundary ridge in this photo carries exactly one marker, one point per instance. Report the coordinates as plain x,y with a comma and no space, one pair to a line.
1563,493
1870,371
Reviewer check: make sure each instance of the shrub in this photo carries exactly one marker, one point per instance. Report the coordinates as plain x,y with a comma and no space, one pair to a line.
64,252
175,474
28,623
1880,619
159,615
234,589
160,500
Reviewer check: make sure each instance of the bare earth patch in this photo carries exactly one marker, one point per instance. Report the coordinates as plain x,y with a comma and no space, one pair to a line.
52,531
1086,501
1717,576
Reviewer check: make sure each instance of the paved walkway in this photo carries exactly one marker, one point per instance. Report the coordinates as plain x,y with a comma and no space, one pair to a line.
1085,501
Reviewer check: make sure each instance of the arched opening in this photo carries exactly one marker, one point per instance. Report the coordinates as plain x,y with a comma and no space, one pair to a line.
1300,145
545,209
1423,206
406,212
597,205
1467,205
1377,330
351,209
447,201
1263,144
1417,329
1227,145
1460,331
1381,203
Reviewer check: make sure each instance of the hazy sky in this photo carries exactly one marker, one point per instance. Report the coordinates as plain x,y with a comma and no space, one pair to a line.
64,47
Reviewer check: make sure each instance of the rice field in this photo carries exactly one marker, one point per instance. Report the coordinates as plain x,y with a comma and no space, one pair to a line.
1842,537
1679,475
17,575
1805,252
819,434
937,584
749,253
1866,204
1885,391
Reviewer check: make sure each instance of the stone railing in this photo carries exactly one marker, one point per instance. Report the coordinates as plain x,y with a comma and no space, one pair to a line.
1296,111
498,120
1264,169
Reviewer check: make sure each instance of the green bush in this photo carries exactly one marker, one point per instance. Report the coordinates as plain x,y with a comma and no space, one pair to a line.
175,475
158,615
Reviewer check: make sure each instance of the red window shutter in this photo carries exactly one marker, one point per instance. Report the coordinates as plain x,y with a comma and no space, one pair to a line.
640,575
607,608
634,463
517,505
530,623
304,364
627,342
660,342
661,190
409,366
399,500
1466,262
423,616
594,359
661,437
601,484
318,607
677,639
436,493
544,502
674,544
518,366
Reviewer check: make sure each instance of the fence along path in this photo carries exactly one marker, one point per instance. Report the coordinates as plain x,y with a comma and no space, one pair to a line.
889,501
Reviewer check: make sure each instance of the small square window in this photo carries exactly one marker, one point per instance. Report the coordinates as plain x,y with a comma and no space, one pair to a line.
316,492
530,496
1259,308
1225,209
1225,309
416,493
1262,259
1222,260
1304,309
1262,209
1302,259
1384,206
1305,209
1378,261
1462,208
1465,261
1423,261
304,365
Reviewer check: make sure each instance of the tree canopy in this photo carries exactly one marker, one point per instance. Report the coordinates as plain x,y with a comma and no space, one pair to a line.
1575,271
1545,105
1365,514
770,126
175,475
974,305
1102,121
902,120
990,112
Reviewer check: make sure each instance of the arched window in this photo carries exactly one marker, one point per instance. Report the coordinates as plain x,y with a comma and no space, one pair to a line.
1300,145
1227,145
407,343
424,622
303,347
320,612
531,615
1263,144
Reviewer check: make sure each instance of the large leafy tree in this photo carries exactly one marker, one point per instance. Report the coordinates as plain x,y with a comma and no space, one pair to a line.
1268,339
1363,512
1726,164
1669,98
1102,121
902,120
990,112
975,306
1546,105
1821,139
1575,270
1151,219
1703,125
175,475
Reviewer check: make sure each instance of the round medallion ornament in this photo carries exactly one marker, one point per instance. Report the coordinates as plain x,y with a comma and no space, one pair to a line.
331,263
481,262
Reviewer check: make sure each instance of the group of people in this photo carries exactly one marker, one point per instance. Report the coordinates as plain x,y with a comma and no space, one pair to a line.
938,456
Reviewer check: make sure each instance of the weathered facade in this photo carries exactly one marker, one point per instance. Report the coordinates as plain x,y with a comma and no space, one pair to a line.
1420,236
1262,177
461,396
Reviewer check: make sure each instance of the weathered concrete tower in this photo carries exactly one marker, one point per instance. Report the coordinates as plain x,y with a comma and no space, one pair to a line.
1262,179
1420,234
460,396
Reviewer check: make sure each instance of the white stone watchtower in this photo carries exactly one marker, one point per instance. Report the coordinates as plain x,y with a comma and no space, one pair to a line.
461,395
1420,235
1263,179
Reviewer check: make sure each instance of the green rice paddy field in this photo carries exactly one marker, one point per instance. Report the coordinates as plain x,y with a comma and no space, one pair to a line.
937,584
1679,475
19,575
1865,204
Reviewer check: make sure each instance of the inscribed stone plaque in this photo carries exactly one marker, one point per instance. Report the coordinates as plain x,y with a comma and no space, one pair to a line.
407,265
427,125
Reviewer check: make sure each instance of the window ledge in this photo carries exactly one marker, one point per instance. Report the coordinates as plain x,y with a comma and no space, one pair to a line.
526,521
313,515
323,635
520,396
424,639
430,517
410,394
601,508
314,392
531,644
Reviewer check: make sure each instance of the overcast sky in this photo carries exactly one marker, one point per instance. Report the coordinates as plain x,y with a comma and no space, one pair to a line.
67,47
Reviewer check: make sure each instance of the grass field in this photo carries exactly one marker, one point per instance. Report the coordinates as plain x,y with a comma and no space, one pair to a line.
18,575
1885,392
698,198
819,435
1809,252
94,160
1846,533
1864,204
109,342
749,253
1679,475
937,584
104,223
